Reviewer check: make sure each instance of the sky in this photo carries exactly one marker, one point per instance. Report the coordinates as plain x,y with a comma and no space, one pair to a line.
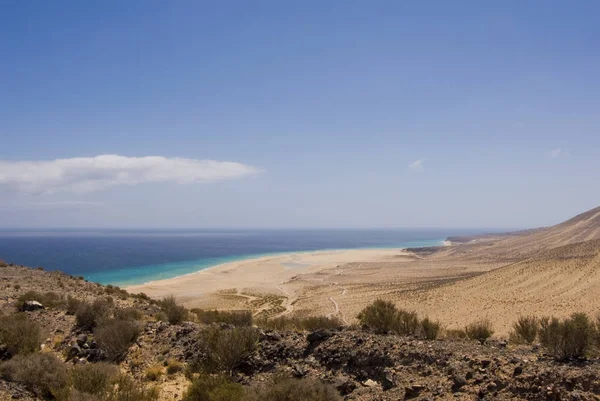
312,114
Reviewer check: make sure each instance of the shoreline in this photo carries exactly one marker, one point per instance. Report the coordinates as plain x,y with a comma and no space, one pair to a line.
241,258
266,273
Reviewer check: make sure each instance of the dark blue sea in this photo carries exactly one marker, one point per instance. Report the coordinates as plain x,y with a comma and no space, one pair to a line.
125,257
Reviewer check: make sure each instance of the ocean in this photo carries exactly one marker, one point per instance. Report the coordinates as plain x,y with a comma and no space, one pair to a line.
126,257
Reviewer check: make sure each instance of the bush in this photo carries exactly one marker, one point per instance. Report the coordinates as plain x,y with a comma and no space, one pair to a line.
569,338
300,324
429,329
115,336
383,317
43,374
525,330
236,318
210,388
154,372
480,330
174,366
456,334
94,378
294,390
132,314
175,313
89,315
73,305
48,299
127,389
224,349
19,334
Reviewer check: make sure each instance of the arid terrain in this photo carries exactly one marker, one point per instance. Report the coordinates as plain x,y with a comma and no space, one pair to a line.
69,325
543,271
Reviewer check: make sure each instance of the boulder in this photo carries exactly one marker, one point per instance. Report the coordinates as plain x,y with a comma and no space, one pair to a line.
29,306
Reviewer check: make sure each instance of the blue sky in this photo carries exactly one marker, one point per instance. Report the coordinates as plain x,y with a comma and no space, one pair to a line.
316,114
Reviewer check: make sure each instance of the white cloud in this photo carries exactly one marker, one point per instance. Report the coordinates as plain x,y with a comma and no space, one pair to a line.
554,153
417,165
87,174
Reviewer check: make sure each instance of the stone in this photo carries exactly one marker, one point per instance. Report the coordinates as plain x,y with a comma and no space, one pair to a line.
370,383
458,381
82,339
318,336
30,306
413,391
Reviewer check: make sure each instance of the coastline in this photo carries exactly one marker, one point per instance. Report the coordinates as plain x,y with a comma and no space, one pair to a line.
264,274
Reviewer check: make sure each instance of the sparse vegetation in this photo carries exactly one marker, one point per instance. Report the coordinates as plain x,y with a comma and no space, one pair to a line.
154,372
174,312
19,334
525,330
299,324
115,336
384,317
174,366
90,314
42,374
127,389
480,330
214,388
429,329
282,389
224,349
94,378
236,318
568,338
48,299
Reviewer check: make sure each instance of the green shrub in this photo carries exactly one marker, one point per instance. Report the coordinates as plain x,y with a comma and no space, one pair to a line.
175,313
224,349
294,390
213,388
381,316
429,329
569,338
94,378
115,336
43,374
90,314
480,330
19,334
525,330
236,318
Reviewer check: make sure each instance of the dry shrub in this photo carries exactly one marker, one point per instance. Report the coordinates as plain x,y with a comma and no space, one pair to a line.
569,338
115,336
174,366
128,389
383,317
153,373
132,314
47,299
300,324
282,389
94,378
89,314
456,334
480,330
175,313
214,388
19,334
429,329
525,330
236,318
225,349
43,374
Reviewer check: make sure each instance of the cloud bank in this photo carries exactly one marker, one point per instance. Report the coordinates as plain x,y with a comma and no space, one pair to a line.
87,174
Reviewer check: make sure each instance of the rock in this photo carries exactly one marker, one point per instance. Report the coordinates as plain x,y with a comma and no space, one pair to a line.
318,336
518,370
344,385
74,351
485,363
458,381
298,371
370,383
29,306
82,339
413,391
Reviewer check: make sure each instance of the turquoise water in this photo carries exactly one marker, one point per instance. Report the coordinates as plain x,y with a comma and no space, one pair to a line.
135,257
